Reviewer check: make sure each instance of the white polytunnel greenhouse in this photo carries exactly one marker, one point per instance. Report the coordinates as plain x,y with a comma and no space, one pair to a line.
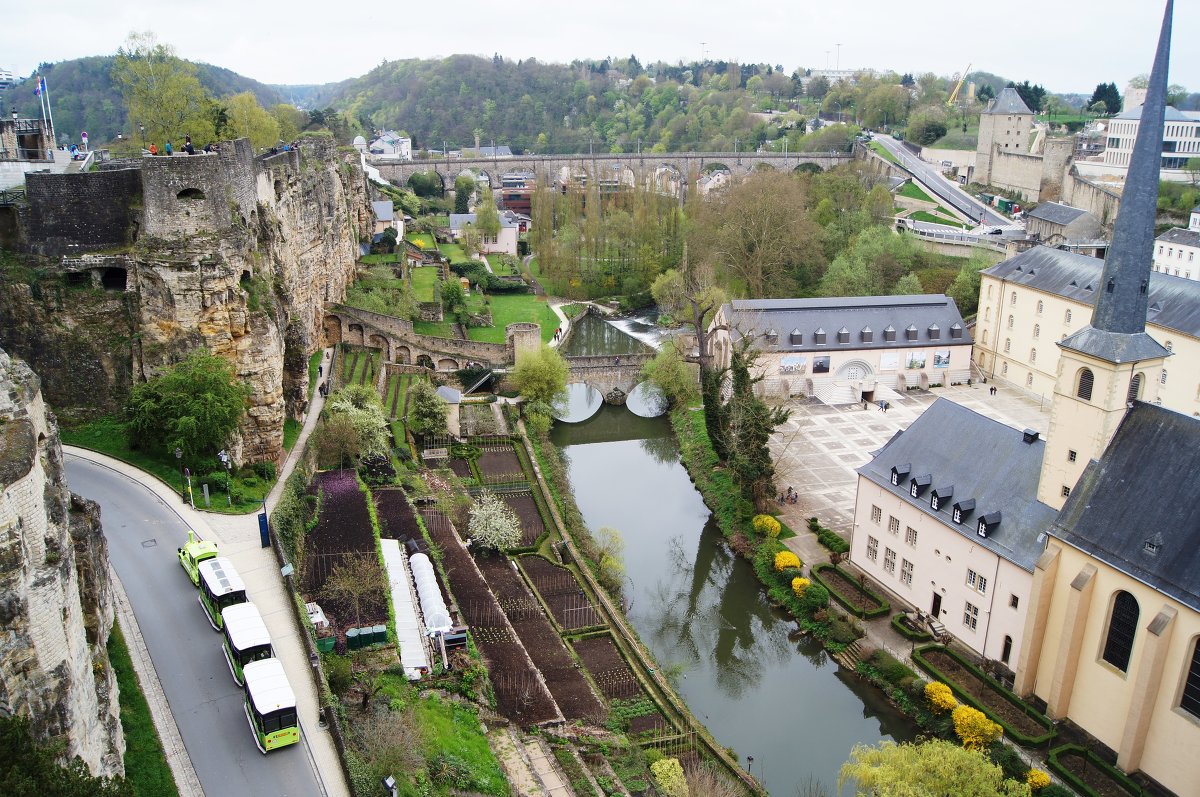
437,617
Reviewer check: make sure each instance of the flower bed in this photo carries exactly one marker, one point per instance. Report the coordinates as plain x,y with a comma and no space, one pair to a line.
1024,724
859,600
526,508
901,627
570,689
561,592
520,695
343,529
1091,775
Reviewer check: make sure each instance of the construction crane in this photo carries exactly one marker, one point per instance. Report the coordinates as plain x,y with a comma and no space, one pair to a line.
958,87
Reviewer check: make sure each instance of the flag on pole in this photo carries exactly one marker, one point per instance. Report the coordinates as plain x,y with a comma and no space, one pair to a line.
41,87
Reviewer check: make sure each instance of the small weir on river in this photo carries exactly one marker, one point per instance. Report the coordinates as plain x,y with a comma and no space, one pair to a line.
698,607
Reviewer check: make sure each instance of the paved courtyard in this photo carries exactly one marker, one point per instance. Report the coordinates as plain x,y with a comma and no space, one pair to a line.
818,449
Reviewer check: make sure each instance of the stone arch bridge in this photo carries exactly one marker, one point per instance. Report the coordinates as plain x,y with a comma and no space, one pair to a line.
615,377
644,165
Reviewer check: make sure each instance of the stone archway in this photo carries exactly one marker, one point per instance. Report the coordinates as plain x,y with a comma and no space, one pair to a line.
354,335
854,370
447,364
333,330
383,344
425,361
403,355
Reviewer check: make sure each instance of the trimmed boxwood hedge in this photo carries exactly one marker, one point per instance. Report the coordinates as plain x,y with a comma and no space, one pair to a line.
904,631
883,608
1041,719
1115,775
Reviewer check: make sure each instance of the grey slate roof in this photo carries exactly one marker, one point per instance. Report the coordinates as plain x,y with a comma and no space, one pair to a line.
981,460
1056,213
1142,489
1169,113
1178,235
460,220
1115,347
1008,101
1174,301
383,210
756,317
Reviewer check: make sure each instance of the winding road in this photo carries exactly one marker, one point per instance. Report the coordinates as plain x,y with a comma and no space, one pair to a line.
931,178
143,533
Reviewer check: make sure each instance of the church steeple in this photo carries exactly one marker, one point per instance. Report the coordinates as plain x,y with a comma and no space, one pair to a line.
1113,361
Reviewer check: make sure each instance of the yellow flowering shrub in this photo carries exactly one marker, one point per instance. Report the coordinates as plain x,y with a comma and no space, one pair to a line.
785,560
800,586
1037,779
974,729
668,774
766,526
940,697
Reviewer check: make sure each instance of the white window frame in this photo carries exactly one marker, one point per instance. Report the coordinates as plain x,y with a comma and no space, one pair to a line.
893,524
889,561
906,572
876,515
872,549
971,616
910,536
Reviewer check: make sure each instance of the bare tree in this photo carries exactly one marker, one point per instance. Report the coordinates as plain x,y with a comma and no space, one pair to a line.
356,579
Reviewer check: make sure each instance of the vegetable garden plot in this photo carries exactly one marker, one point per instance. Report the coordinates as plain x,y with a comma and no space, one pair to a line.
520,695
461,468
477,419
526,508
397,521
570,689
561,592
499,464
608,668
343,530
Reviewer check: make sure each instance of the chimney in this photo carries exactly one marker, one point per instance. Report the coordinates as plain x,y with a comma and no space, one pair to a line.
1029,436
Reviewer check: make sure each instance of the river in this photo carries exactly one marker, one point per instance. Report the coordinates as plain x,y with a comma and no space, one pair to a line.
699,608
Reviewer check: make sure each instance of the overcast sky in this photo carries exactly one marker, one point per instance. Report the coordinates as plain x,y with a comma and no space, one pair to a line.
1066,45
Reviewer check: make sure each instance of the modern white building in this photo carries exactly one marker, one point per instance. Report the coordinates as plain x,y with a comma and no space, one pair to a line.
1175,250
391,144
1181,140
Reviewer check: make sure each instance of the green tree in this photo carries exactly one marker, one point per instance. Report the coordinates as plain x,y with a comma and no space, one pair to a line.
28,767
750,426
935,767
1193,169
493,523
487,218
337,441
426,411
464,189
357,579
1106,93
924,130
470,240
541,375
453,297
670,372
161,91
361,405
1032,95
291,120
194,405
248,119
908,285
965,288
818,87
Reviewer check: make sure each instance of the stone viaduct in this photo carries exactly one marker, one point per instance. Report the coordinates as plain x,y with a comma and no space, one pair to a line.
614,377
643,165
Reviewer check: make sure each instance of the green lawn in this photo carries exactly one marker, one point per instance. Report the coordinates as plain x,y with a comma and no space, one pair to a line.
146,767
454,730
379,277
360,366
438,329
107,435
395,394
378,260
291,432
422,239
882,152
453,252
512,308
424,283
574,310
913,191
930,218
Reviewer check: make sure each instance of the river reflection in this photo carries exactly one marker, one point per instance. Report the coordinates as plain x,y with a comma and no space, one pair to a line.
700,610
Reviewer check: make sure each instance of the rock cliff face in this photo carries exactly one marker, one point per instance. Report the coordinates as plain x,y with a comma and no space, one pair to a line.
232,252
56,603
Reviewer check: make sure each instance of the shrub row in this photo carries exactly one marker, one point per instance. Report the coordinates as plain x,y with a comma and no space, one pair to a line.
882,608
906,632
828,537
1112,773
1032,713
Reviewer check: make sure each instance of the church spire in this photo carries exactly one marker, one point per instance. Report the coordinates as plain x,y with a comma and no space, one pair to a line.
1122,300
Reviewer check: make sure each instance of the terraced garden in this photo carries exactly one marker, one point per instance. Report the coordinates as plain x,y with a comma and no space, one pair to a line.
423,280
395,393
359,365
560,591
616,681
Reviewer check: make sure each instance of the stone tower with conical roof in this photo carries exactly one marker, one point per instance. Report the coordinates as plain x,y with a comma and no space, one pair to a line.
1113,361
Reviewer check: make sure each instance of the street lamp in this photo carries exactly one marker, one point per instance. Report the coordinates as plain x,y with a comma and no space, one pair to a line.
182,483
224,457
749,763
14,113
143,129
389,783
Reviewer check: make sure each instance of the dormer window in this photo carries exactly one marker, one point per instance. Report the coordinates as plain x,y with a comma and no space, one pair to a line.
900,472
935,332
940,496
933,502
1153,545
867,335
889,334
962,509
956,330
797,337
843,335
910,332
919,484
819,336
772,337
957,514
987,524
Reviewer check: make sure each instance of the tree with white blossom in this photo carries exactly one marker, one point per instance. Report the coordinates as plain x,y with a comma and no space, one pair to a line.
493,523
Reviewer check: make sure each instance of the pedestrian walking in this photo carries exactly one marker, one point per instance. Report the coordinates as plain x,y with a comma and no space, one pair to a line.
320,371
169,150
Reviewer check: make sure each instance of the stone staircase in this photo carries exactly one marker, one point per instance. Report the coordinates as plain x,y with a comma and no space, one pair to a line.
834,394
850,657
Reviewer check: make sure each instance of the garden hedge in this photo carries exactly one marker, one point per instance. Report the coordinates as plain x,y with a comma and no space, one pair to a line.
1041,719
867,614
904,631
1115,775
